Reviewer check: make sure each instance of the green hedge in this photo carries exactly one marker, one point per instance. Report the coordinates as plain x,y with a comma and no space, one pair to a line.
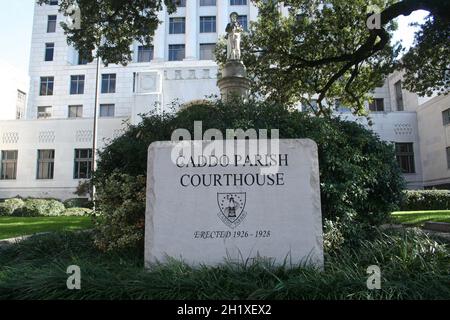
78,203
426,200
41,207
9,206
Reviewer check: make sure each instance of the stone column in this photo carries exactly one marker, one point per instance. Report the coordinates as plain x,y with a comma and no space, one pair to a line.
159,40
191,30
222,17
234,82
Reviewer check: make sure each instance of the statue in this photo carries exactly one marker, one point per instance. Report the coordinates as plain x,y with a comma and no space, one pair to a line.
234,30
233,81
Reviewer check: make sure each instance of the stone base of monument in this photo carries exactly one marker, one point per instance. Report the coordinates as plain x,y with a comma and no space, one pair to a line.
215,206
234,81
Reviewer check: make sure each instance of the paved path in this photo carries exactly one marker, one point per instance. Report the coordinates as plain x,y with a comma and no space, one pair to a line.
442,235
8,242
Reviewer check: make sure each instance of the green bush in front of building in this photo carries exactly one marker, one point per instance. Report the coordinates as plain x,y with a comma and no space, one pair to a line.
9,206
361,183
426,200
78,203
18,207
40,207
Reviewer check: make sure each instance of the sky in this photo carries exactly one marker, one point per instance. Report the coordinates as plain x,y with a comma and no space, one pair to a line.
16,21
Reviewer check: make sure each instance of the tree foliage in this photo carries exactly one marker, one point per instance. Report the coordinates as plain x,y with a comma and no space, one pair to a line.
427,64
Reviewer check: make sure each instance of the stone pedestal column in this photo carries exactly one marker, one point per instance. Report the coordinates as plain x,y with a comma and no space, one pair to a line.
234,82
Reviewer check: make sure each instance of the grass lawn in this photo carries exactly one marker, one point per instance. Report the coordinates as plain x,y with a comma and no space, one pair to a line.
11,227
418,218
413,267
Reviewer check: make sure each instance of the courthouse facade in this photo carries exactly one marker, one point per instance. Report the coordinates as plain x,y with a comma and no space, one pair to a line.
46,150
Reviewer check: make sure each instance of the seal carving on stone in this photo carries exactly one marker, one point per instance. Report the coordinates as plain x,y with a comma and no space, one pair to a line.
232,207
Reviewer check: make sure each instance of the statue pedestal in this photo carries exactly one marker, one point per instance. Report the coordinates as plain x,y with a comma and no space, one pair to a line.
234,81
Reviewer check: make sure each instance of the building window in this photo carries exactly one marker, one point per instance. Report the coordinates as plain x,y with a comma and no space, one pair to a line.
47,86
44,112
46,164
177,25
83,164
376,105
243,22
238,2
77,84
9,165
448,157
446,117
83,58
53,2
208,24
145,53
205,3
399,95
49,51
179,3
109,83
176,52
207,51
51,24
20,104
107,110
405,157
76,111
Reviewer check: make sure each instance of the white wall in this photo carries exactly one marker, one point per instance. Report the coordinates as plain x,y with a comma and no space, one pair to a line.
400,127
434,139
63,136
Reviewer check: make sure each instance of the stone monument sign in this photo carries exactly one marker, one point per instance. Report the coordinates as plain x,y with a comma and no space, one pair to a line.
213,206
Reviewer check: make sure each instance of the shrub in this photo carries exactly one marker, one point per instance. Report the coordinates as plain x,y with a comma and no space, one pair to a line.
77,212
9,206
78,203
416,200
121,200
40,207
361,183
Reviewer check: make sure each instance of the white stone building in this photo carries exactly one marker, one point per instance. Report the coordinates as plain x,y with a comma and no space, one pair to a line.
47,153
